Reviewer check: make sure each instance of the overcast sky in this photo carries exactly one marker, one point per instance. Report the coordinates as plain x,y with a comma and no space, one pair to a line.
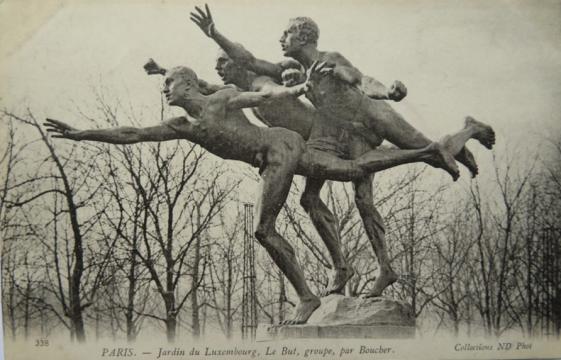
498,61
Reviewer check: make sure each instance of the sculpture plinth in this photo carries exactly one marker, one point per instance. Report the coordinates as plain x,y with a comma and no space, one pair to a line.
346,317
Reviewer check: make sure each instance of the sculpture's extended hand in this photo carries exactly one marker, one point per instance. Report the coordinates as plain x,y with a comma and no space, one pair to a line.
61,130
204,20
397,91
320,69
316,72
152,68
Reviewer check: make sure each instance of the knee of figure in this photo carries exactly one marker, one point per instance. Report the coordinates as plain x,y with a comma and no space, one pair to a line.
298,144
364,202
263,233
269,239
308,200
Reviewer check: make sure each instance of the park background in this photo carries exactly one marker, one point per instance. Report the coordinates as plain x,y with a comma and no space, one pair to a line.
477,257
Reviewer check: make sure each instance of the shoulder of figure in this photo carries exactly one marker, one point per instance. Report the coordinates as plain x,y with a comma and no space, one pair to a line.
334,57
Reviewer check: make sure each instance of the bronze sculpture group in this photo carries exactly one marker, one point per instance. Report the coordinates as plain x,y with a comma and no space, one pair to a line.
338,138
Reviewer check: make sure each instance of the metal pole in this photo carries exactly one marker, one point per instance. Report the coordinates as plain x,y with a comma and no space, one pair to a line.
249,303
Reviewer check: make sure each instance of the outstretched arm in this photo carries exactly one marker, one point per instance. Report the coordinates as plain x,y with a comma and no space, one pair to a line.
118,135
343,69
376,90
270,91
236,51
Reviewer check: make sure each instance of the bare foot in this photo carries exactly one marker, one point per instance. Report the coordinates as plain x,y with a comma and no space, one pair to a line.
484,133
466,158
443,159
303,311
338,280
385,279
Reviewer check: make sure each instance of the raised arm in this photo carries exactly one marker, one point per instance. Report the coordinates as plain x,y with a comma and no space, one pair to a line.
237,52
119,135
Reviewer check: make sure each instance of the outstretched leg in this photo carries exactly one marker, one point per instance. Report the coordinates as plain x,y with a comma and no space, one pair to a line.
318,164
326,225
276,179
374,226
384,158
473,129
388,123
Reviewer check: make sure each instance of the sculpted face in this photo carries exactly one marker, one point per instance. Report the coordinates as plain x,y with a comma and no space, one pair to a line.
177,84
290,40
228,70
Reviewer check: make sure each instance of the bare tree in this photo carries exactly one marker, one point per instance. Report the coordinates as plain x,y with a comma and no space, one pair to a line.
178,204
449,269
224,273
66,183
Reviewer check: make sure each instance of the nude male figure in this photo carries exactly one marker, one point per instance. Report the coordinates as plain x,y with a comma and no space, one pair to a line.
339,95
217,123
329,133
289,112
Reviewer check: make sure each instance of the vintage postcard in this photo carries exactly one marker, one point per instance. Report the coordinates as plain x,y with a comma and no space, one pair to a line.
191,180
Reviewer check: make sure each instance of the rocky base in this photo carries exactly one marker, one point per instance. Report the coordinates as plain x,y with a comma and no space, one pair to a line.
346,317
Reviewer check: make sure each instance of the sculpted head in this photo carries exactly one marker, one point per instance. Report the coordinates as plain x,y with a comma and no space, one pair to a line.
180,82
229,71
301,31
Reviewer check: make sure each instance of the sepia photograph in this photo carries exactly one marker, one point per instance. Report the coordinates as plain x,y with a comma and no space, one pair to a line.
280,179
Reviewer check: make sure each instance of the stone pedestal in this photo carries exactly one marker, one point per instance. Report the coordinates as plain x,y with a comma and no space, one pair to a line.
346,317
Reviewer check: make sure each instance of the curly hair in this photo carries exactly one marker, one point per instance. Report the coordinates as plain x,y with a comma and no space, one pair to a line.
306,28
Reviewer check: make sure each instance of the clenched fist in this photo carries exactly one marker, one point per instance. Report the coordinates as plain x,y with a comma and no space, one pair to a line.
397,91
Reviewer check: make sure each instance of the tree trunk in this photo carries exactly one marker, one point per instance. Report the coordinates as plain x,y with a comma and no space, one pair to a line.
282,297
171,325
229,299
195,318
26,310
129,315
76,318
171,316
